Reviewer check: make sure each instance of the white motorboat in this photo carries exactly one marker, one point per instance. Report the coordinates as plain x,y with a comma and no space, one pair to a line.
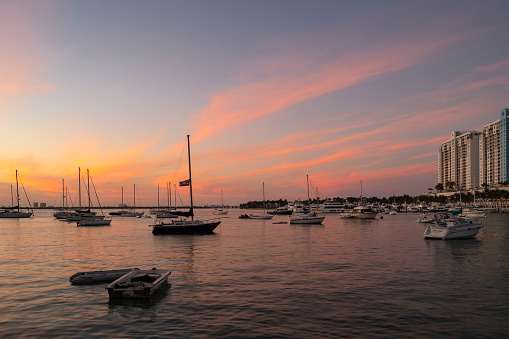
473,213
425,219
363,212
330,206
307,218
165,214
448,226
138,284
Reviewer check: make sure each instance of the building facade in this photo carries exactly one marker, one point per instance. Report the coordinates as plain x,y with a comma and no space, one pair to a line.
473,159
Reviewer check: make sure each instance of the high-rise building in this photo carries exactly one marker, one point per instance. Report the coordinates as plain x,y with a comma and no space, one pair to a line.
476,158
458,160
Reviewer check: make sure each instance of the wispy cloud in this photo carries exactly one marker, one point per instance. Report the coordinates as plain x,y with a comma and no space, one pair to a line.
252,100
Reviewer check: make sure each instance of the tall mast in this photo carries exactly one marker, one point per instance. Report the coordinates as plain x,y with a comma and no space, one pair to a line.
79,187
17,192
134,200
307,181
122,198
63,194
190,181
263,194
88,187
158,196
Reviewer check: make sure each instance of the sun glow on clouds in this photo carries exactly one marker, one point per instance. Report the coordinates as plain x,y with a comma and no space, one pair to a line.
338,143
252,100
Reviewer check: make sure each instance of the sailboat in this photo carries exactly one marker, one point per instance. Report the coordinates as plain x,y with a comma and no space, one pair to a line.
311,217
133,213
64,213
14,211
263,215
362,211
121,205
221,210
167,212
96,220
186,226
80,213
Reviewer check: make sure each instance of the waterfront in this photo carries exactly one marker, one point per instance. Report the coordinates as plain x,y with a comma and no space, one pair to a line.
252,278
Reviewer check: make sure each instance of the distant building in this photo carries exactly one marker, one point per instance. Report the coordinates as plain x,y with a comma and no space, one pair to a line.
43,205
472,159
36,205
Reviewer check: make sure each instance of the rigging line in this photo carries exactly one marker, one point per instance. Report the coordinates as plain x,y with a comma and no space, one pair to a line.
97,197
138,195
86,186
26,195
180,161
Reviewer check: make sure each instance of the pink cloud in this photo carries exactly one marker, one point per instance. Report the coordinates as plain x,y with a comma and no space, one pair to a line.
275,91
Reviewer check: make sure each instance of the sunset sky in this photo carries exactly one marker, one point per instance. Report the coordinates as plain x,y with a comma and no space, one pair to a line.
270,91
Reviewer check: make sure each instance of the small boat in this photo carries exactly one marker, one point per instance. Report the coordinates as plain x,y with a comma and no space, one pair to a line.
309,218
260,216
305,216
473,213
95,277
346,216
94,222
221,211
425,219
132,213
263,215
330,206
449,226
139,284
363,212
165,214
243,216
282,210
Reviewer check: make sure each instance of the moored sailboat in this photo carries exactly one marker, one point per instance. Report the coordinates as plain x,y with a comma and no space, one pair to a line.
14,211
309,217
263,215
186,226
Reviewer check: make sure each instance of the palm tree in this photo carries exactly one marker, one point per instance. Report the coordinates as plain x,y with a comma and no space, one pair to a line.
439,186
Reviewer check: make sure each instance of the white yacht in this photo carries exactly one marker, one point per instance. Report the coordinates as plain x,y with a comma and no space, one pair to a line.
362,212
330,206
448,226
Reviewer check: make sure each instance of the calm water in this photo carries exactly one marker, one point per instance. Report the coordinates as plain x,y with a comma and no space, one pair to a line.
252,278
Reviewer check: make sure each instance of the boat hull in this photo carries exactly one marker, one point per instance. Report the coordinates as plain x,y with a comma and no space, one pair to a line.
14,215
140,284
462,232
94,222
307,220
185,227
96,277
260,216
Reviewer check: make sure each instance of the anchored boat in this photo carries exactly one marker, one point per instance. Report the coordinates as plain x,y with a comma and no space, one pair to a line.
139,284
